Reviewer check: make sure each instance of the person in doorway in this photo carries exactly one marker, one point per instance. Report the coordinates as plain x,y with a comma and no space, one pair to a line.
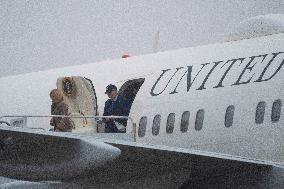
58,107
116,105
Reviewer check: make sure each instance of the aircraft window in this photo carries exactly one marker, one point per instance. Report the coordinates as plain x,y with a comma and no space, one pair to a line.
142,126
229,117
260,111
199,120
184,121
156,125
276,110
170,123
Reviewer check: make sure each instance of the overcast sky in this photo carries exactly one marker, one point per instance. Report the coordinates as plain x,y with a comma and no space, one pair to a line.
40,35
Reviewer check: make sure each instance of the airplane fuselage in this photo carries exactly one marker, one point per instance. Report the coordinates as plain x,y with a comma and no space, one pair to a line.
224,98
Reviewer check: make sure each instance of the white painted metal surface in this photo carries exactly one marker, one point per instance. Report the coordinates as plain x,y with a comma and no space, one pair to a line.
241,73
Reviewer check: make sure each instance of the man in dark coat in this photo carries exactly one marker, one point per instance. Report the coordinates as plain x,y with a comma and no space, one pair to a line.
58,107
116,105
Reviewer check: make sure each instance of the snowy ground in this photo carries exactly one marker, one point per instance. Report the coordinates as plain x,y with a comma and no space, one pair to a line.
5,180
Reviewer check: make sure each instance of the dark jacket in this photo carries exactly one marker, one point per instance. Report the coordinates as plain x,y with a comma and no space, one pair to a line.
63,124
120,107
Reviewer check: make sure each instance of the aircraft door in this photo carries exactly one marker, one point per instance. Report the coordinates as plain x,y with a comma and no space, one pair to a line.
80,96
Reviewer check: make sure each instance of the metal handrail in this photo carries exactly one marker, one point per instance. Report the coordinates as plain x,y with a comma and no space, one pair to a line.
94,117
98,117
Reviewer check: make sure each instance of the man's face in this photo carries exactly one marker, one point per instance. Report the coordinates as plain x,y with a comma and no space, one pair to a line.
112,94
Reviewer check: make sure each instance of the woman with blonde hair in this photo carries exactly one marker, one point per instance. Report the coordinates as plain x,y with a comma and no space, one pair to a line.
58,107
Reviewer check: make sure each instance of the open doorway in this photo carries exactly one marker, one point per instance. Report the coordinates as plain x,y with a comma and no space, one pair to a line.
92,88
130,88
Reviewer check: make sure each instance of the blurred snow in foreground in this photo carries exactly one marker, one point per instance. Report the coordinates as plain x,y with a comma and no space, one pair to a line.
257,26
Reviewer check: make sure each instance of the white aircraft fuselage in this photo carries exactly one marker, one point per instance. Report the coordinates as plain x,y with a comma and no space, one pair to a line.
208,79
223,98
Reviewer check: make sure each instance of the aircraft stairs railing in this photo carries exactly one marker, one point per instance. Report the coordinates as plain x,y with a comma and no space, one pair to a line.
21,121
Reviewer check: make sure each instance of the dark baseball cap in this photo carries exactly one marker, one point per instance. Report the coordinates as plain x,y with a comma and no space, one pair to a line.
110,88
